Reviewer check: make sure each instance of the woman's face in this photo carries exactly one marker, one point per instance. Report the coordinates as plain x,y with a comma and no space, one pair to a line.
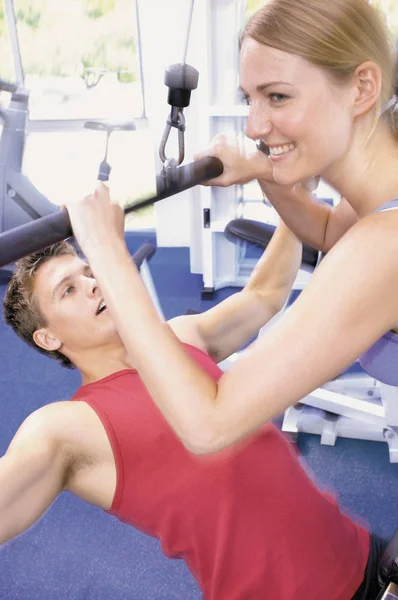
296,110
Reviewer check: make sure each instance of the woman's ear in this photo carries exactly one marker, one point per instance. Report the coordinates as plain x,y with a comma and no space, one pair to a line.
367,87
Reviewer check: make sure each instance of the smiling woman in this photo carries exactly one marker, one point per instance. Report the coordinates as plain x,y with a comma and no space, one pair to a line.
332,86
254,206
316,122
290,100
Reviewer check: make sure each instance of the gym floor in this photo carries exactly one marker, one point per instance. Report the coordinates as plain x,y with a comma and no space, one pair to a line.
78,552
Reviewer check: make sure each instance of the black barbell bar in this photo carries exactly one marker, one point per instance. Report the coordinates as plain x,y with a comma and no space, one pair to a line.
40,233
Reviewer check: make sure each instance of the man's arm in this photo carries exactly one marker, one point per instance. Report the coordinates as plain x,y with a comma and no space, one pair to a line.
314,222
32,474
279,369
224,329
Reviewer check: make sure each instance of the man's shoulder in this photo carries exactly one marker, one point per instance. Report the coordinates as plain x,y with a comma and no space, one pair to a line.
55,429
73,428
60,420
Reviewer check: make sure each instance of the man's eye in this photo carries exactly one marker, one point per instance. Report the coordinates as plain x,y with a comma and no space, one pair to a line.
68,291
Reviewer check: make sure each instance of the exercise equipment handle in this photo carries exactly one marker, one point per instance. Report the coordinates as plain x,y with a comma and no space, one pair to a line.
181,179
144,252
40,233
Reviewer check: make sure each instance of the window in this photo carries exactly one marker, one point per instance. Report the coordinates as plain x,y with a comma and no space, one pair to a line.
80,61
80,58
63,165
390,10
252,6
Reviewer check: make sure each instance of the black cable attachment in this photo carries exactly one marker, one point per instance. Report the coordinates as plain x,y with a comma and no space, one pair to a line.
181,79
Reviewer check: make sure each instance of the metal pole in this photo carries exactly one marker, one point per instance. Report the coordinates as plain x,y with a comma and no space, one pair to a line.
184,58
139,43
13,33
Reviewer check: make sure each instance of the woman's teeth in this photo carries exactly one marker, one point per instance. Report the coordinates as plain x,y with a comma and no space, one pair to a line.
278,150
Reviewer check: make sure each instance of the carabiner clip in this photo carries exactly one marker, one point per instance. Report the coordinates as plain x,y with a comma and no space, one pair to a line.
176,119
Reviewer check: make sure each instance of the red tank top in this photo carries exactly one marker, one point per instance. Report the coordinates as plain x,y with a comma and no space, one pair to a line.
248,521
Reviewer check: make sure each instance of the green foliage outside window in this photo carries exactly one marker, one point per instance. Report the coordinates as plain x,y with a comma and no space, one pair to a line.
390,10
71,37
96,9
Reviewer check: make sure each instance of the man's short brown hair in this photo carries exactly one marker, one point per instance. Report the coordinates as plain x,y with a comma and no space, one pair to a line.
21,310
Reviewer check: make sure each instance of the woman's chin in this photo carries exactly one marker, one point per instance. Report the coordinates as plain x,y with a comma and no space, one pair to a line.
284,178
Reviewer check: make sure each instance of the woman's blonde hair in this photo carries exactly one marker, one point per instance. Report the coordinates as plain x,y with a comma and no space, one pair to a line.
337,35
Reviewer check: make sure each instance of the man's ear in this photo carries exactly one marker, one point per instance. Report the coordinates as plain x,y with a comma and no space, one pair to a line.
46,340
367,87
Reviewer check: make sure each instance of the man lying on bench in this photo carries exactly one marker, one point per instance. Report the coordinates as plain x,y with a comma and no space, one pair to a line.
248,520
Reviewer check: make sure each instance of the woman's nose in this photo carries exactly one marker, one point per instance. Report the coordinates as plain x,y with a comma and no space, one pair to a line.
258,124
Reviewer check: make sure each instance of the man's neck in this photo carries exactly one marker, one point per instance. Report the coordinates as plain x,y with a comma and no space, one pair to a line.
101,362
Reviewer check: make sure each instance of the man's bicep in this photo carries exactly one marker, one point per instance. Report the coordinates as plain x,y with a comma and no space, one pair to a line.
32,474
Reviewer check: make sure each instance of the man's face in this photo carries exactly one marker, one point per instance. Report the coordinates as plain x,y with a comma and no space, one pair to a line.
70,300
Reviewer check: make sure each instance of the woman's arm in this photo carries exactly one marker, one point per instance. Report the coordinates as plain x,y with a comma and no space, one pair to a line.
348,304
312,221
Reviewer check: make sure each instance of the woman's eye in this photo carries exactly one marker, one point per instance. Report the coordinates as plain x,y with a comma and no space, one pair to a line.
277,98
